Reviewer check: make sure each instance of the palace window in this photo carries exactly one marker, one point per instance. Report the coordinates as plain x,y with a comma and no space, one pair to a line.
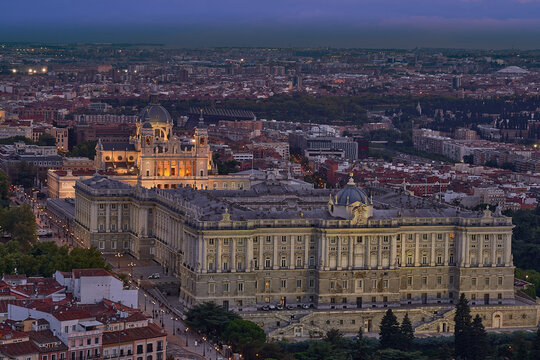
283,283
283,261
359,284
225,287
424,280
298,261
240,287
311,283
332,284
299,283
500,280
267,262
284,239
344,284
267,285
268,239
385,284
473,281
486,281
439,236
409,280
439,280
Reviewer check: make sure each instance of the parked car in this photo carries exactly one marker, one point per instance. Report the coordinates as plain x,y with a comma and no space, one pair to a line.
265,308
272,307
279,307
290,307
154,276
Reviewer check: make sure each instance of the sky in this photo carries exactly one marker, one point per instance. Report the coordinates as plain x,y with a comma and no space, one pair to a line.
491,24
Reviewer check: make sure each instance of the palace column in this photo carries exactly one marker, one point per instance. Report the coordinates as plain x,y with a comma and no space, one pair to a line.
379,252
446,245
261,252
291,255
233,255
508,250
119,218
393,251
249,255
218,255
368,252
480,251
416,249
338,253
275,255
107,217
493,249
306,251
350,264
432,257
467,250
403,261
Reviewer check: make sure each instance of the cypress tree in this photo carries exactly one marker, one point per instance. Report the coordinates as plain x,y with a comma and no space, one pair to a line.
463,327
479,343
535,351
407,333
389,334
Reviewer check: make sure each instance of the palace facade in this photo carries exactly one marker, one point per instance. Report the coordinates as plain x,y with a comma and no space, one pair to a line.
281,244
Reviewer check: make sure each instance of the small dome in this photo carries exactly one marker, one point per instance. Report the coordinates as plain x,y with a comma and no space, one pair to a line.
147,125
155,114
351,194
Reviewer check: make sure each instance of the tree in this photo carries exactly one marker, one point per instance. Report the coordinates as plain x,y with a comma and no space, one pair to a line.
4,185
209,319
535,351
244,335
462,332
479,343
22,173
85,149
20,223
46,140
360,347
407,333
334,337
389,334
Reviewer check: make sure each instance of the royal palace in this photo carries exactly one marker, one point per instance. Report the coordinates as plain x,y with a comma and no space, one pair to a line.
345,255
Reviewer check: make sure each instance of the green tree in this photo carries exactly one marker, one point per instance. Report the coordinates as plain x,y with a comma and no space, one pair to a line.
22,173
389,334
334,337
407,333
535,351
462,332
19,221
209,319
244,336
85,149
46,140
478,340
4,185
360,348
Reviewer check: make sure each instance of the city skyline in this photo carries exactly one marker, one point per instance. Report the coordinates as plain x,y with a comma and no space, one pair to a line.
343,23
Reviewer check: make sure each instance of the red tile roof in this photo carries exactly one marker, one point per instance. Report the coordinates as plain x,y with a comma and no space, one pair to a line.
77,273
18,349
127,335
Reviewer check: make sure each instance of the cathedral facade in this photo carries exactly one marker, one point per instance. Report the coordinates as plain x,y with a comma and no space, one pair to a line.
155,157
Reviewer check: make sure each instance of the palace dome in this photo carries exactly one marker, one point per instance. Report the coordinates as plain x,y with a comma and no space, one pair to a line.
351,194
154,113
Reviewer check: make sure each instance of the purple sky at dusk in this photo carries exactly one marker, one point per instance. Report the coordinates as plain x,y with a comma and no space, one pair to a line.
354,23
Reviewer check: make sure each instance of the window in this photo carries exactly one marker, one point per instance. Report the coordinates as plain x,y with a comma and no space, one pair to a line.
473,281
409,281
439,259
332,284
96,340
113,244
439,280
500,280
344,284
451,258
89,341
101,206
149,347
373,284
299,283
409,260
486,281
451,279
299,261
267,262
66,329
268,239
424,236
256,263
267,285
439,236
284,239
424,259
159,345
311,283
424,280
283,283
211,288
225,241
385,284
210,241
240,286
311,261
499,296
44,357
283,261
358,239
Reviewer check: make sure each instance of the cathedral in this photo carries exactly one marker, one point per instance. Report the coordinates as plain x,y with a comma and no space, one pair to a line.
155,157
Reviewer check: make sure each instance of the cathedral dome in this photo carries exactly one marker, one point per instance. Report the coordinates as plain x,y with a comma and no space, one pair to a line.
155,114
351,194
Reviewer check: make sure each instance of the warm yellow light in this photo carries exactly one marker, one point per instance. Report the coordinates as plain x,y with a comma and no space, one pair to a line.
14,71
44,69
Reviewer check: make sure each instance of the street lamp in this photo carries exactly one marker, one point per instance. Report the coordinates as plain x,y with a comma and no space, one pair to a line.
145,298
187,329
153,308
174,324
